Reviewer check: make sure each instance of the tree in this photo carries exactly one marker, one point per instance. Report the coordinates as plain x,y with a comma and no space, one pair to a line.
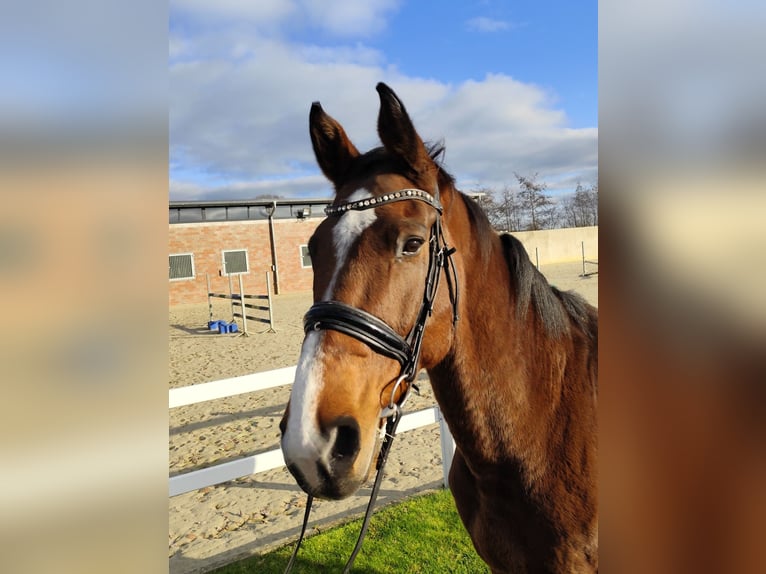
593,203
535,204
509,210
503,209
484,197
581,209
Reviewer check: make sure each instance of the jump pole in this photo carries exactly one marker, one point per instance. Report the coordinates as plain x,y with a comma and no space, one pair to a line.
209,298
231,295
239,299
244,306
271,308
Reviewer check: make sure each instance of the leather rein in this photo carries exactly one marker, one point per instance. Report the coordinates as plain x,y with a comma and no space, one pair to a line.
381,338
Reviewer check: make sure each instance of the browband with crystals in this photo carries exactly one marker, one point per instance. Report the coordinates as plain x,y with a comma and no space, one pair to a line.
400,195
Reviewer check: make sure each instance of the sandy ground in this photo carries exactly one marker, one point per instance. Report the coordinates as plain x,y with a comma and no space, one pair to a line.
216,525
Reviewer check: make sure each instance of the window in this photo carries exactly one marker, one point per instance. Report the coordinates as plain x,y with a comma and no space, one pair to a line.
301,211
236,213
215,214
181,266
189,214
305,256
235,261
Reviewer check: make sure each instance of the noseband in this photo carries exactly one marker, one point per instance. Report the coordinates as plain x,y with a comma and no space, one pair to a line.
381,338
372,331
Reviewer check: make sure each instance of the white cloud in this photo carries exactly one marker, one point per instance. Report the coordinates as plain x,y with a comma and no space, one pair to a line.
240,103
484,24
339,18
350,18
498,126
251,117
317,185
264,12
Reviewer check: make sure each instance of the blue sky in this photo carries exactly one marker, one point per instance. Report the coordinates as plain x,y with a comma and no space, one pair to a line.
509,87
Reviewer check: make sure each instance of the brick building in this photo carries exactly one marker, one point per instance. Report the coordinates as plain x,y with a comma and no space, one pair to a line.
223,239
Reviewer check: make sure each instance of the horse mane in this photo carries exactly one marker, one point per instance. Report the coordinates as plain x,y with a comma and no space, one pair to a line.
555,308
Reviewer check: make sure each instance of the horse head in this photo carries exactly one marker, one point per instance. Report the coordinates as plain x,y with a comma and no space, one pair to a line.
377,259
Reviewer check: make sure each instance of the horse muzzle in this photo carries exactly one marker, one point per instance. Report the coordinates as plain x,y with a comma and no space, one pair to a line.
329,464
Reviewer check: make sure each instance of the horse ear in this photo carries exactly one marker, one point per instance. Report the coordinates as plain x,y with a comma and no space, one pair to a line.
397,131
332,148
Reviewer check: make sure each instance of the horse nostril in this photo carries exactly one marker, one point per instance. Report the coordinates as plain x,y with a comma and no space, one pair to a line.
346,440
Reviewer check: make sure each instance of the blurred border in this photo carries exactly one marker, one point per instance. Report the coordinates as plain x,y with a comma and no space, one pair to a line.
83,263
682,136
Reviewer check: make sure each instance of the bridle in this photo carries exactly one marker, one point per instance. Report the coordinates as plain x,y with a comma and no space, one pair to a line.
380,337
372,331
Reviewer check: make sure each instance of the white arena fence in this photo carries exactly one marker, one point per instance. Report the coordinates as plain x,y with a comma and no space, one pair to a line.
272,459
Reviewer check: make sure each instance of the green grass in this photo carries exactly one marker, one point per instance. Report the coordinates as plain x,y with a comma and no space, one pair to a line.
420,535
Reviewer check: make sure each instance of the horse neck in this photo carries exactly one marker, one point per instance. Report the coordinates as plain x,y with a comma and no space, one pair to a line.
502,373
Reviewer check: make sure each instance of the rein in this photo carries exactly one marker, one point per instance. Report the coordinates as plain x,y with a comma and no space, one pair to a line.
381,338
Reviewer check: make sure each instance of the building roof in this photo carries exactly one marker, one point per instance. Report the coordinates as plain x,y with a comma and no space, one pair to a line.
248,202
246,210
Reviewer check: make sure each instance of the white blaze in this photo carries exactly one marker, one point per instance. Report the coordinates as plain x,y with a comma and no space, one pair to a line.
303,444
350,226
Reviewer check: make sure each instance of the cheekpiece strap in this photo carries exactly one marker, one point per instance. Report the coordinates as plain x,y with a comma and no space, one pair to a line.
371,202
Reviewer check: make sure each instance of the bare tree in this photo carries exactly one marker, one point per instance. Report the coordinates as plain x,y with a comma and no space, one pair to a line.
539,208
593,203
581,208
509,210
485,198
503,208
528,207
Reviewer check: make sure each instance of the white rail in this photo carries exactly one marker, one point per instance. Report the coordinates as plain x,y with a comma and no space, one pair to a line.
272,459
230,387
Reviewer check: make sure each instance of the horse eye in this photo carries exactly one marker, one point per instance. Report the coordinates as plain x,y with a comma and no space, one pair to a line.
412,245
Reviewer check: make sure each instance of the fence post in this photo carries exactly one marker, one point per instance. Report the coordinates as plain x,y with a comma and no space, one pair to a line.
582,246
447,445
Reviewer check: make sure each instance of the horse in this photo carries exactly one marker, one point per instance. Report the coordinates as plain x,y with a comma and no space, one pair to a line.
512,360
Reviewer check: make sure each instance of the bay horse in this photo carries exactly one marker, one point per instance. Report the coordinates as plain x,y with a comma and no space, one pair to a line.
511,359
